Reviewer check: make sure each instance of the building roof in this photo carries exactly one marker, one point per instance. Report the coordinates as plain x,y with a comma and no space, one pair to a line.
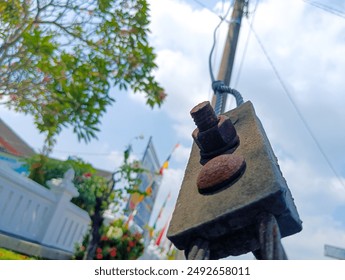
104,173
11,143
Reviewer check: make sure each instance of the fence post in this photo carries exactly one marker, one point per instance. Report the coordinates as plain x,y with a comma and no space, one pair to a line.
64,191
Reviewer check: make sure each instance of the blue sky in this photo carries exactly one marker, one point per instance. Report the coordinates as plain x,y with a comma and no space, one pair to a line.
307,47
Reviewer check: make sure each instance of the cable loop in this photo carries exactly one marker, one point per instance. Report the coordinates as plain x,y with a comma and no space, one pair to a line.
199,250
271,247
219,88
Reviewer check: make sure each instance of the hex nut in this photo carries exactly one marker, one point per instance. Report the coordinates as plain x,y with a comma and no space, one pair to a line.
213,135
227,130
216,140
209,140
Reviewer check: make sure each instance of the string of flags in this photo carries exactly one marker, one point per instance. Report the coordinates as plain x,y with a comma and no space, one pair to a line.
161,233
137,198
159,215
165,165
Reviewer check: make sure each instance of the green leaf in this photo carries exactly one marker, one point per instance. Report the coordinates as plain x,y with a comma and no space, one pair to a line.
66,60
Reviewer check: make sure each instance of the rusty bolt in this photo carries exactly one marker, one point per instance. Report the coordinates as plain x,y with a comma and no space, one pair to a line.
219,172
204,116
213,135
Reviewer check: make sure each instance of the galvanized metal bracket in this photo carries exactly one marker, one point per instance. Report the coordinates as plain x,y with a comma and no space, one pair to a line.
229,219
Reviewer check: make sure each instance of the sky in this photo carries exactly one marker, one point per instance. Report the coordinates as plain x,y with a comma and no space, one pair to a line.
303,118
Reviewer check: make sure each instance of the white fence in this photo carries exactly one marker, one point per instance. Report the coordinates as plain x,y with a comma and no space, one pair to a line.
37,214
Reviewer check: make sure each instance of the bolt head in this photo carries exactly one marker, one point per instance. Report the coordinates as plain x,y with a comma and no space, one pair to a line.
221,171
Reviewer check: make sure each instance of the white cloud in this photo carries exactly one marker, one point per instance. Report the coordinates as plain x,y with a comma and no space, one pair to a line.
182,38
181,154
309,243
171,182
308,183
184,130
24,127
115,158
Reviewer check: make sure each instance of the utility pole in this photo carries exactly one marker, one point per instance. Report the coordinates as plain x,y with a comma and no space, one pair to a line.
228,57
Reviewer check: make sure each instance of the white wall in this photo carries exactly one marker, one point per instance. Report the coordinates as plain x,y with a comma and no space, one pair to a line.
32,212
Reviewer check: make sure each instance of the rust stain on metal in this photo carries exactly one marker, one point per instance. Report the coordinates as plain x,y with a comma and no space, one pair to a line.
219,172
213,135
204,116
228,219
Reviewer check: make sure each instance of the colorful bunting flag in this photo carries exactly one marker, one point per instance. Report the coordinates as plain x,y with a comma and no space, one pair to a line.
161,210
136,198
130,218
166,163
162,233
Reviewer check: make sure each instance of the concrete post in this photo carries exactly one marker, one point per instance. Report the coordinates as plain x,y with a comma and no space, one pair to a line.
64,191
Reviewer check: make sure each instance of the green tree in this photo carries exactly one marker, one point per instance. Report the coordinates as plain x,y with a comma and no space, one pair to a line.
96,193
59,58
107,193
118,242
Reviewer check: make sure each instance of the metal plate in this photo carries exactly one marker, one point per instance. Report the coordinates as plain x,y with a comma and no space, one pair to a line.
228,218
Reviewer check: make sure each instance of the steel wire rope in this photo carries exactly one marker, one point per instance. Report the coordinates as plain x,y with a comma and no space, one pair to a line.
211,93
202,5
246,45
222,19
298,111
208,9
326,8
63,151
81,153
218,86
245,49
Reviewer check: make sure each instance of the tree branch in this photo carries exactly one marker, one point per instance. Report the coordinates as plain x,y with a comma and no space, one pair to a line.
15,37
89,43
